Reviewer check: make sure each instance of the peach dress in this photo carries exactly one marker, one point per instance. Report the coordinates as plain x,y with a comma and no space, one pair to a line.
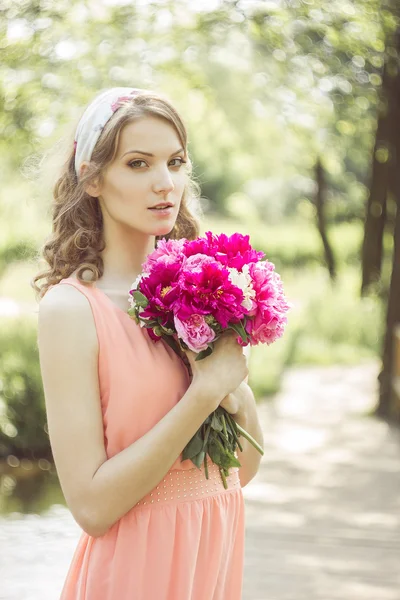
185,539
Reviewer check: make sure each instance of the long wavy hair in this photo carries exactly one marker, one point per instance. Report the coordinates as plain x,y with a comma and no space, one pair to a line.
77,238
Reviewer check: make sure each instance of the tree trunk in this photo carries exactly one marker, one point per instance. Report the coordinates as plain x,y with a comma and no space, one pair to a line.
386,406
321,220
386,396
372,249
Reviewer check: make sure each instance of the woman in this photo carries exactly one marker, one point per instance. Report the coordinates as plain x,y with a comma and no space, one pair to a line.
120,407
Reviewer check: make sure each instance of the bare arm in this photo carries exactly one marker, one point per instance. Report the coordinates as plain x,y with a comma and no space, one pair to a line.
124,479
99,491
247,417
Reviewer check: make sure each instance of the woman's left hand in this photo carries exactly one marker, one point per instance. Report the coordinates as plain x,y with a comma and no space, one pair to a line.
233,403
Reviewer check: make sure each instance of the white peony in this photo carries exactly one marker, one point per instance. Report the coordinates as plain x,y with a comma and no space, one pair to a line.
243,281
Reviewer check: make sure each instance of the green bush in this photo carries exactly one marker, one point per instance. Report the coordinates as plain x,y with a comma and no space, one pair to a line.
23,430
295,243
328,324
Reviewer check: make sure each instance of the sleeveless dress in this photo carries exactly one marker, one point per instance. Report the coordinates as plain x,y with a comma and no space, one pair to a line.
185,539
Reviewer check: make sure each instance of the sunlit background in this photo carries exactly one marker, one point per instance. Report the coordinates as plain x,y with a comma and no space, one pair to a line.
293,111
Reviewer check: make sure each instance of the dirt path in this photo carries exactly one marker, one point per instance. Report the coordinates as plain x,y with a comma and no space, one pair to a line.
323,513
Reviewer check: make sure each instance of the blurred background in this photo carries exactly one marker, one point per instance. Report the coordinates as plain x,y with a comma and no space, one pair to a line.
293,115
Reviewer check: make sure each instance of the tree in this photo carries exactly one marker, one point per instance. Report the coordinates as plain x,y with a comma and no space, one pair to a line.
388,406
321,219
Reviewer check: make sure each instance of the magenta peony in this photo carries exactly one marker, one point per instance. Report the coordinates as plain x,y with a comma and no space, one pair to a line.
194,290
231,251
161,289
209,292
189,294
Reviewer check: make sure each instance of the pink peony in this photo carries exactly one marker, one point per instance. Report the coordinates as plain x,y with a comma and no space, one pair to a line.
167,252
269,318
195,332
266,327
197,262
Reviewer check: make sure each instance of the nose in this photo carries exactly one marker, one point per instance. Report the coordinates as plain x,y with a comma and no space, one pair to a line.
163,182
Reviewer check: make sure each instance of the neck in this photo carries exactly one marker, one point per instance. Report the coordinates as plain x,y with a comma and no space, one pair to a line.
123,257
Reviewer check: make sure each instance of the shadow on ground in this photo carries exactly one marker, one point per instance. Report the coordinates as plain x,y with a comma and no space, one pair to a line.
323,512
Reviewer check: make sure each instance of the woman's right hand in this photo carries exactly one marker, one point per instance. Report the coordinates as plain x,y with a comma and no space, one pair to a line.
220,373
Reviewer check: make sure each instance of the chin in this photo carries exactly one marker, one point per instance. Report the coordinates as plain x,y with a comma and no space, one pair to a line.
163,229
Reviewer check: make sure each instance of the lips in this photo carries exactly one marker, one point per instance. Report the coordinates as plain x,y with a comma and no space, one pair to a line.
161,205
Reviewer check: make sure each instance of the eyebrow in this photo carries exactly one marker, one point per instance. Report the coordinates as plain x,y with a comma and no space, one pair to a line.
149,153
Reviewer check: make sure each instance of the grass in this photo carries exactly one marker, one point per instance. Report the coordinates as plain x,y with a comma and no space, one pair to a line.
327,324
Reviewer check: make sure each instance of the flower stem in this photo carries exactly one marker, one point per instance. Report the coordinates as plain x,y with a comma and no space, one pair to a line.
224,426
233,426
206,465
223,478
248,437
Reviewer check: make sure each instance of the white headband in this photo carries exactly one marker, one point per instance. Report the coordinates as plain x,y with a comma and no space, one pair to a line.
95,117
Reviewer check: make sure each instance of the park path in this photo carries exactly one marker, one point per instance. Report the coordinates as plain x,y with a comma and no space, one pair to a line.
322,514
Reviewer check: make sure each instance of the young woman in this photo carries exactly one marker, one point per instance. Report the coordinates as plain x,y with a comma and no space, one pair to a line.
120,407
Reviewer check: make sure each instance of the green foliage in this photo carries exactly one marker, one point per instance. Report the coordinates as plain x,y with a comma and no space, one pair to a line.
22,408
22,227
335,324
294,242
263,89
328,324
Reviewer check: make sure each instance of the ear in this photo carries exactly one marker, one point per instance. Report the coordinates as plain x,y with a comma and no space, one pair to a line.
93,189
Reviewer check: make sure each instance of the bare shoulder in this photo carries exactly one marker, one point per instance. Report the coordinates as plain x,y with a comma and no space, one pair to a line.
66,309
60,297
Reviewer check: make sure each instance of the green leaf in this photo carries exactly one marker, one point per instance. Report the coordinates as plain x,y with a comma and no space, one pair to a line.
194,446
206,435
166,330
204,353
214,451
229,460
140,299
172,343
132,313
199,458
216,422
238,327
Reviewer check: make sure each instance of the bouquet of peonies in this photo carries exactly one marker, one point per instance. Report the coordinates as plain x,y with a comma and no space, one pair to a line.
189,293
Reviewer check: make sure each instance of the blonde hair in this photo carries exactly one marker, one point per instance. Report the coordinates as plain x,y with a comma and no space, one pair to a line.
77,224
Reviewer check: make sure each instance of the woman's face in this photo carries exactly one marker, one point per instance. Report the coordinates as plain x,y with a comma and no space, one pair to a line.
148,170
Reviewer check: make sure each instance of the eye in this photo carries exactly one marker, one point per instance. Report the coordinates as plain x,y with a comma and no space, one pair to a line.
181,163
134,164
135,161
